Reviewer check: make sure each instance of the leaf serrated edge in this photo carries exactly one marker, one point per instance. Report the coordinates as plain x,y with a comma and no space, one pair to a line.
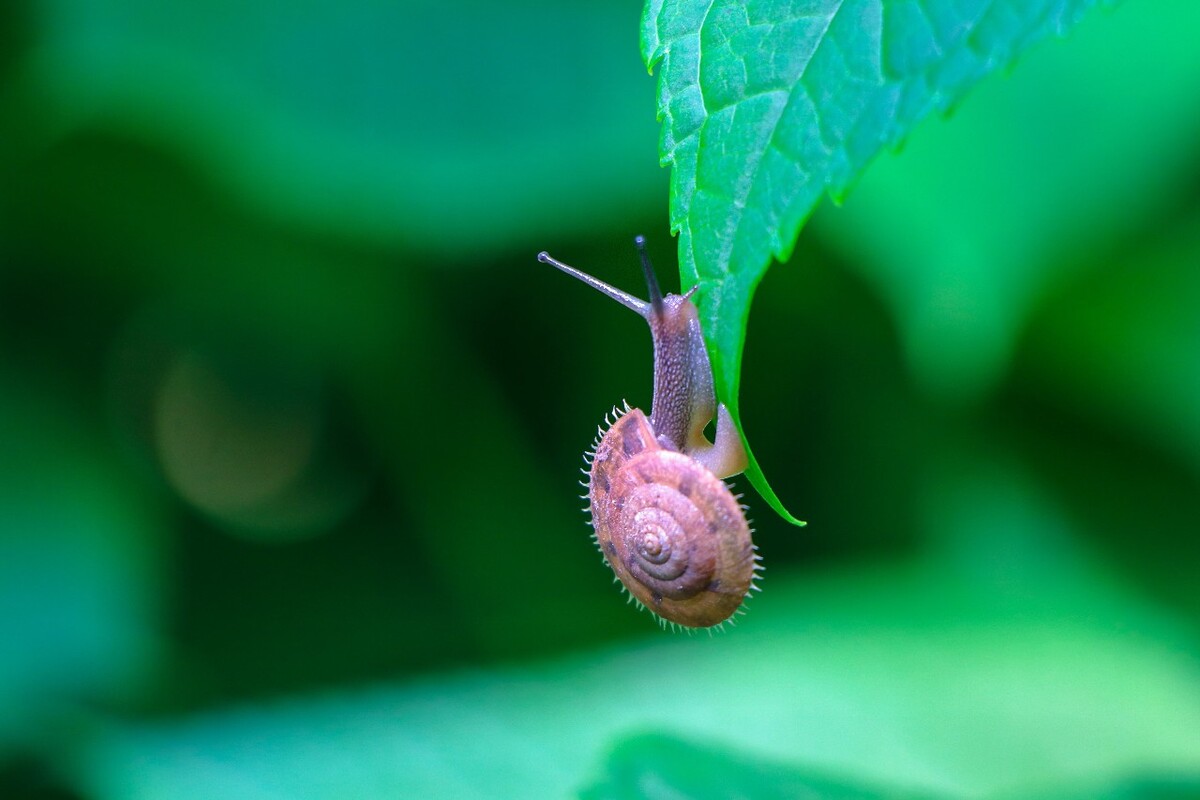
648,39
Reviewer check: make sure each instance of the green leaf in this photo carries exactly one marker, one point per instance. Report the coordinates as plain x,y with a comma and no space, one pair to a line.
766,107
79,577
964,248
1009,662
388,122
918,679
1141,313
658,765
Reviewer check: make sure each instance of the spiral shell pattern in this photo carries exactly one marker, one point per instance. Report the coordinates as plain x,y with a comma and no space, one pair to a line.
673,532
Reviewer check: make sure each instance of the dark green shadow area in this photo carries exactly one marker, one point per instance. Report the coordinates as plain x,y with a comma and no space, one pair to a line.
1140,787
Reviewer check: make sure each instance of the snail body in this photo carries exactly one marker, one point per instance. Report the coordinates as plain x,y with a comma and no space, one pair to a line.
665,522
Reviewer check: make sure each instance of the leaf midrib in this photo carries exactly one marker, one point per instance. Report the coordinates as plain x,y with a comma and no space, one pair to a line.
740,202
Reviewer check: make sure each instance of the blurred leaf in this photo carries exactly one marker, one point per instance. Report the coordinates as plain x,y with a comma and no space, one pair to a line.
394,122
1039,175
917,677
765,108
1108,362
656,766
78,577
1166,786
1128,355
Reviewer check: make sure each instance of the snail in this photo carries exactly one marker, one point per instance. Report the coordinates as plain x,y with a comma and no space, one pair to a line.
665,522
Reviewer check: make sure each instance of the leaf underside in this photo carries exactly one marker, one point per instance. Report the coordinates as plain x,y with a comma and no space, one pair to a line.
767,105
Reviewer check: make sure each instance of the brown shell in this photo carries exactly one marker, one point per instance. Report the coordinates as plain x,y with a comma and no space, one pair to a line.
671,530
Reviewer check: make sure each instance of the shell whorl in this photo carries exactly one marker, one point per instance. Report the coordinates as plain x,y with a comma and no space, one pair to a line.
673,532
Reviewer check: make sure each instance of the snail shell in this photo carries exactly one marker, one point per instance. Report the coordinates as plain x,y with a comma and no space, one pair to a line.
672,531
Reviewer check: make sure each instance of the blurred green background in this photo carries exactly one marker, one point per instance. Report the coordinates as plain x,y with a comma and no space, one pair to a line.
291,421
